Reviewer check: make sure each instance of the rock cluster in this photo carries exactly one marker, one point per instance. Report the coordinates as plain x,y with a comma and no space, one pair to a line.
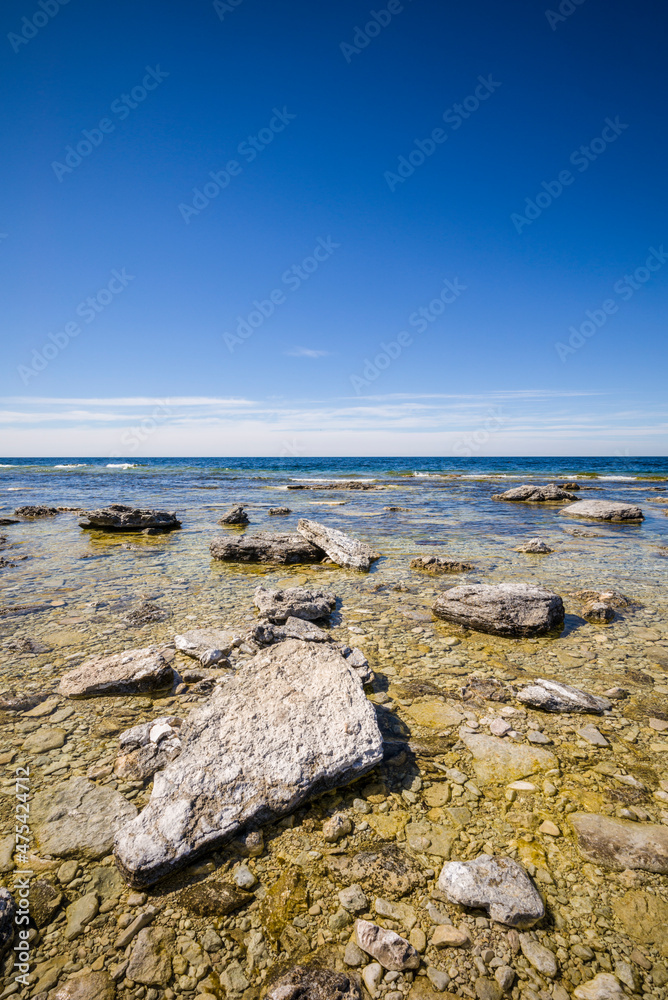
119,517
34,511
535,494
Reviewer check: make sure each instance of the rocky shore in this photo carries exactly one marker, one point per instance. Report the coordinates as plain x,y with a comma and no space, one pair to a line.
347,783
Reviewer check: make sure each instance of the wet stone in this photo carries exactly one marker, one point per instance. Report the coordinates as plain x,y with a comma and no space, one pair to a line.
620,844
79,818
497,884
389,949
212,898
314,984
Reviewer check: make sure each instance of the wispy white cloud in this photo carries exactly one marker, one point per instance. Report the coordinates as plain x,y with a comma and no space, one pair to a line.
306,352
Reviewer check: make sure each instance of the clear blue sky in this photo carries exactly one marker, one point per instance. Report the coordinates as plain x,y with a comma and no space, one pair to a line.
309,124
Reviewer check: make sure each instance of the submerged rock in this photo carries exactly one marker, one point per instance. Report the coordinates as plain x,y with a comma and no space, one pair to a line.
598,611
266,547
314,984
208,645
145,613
213,898
497,760
536,494
341,548
552,696
496,884
604,510
79,818
621,843
436,564
294,602
36,511
393,952
388,871
151,959
508,609
535,546
274,511
235,515
134,672
119,517
306,726
611,597
86,985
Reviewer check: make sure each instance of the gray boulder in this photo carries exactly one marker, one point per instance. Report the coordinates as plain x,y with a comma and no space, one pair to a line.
291,723
266,547
552,696
119,517
536,494
133,672
208,645
341,548
294,602
621,843
496,884
604,510
235,515
79,818
510,609
438,565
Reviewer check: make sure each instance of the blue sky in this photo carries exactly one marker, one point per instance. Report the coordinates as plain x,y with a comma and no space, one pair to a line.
260,228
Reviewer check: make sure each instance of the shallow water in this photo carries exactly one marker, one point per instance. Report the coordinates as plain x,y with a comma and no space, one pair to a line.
86,582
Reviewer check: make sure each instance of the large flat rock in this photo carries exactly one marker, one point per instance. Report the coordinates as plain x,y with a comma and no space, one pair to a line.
621,843
341,548
78,818
294,602
536,494
266,547
498,760
133,672
509,609
291,723
604,510
119,517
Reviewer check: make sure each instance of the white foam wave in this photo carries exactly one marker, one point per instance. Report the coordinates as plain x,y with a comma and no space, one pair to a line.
121,465
80,465
304,480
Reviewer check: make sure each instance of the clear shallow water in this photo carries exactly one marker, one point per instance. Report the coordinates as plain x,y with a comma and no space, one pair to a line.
447,509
